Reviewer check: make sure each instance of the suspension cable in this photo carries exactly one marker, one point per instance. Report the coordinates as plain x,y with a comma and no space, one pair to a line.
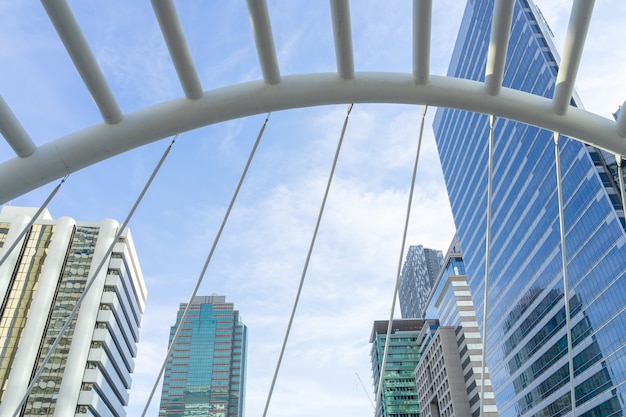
487,264
568,324
206,265
395,291
7,252
92,279
306,263
620,174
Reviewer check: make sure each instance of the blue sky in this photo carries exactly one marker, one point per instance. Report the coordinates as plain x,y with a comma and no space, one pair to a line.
259,260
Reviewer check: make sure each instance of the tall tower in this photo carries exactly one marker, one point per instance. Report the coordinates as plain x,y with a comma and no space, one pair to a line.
205,374
40,283
449,374
399,391
419,272
527,349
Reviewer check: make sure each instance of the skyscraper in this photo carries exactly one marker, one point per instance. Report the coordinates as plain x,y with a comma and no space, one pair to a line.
40,283
419,271
399,390
450,367
205,373
527,349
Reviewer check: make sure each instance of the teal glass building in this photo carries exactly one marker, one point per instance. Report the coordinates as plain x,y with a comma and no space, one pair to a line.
399,390
205,374
527,350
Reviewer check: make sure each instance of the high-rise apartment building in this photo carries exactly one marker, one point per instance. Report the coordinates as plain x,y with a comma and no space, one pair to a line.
419,272
205,373
399,390
527,349
40,282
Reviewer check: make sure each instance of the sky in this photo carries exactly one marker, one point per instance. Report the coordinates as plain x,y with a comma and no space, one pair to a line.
259,259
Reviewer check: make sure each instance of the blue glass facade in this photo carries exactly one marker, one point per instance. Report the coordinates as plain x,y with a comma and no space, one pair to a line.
205,375
526,335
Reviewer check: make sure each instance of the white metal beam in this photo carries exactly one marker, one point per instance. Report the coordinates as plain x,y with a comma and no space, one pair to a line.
572,52
96,143
342,33
13,132
422,19
498,45
264,40
177,45
63,20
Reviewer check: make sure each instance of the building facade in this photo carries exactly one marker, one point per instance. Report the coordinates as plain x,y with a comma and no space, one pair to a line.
419,272
40,282
205,373
525,325
399,390
449,373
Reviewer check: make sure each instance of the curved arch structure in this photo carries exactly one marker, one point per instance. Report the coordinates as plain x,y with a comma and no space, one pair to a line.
35,166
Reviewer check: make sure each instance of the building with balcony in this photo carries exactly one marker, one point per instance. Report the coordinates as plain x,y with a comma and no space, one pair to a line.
41,280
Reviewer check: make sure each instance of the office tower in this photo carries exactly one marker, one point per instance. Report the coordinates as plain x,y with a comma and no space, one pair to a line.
450,367
419,271
205,373
526,326
399,391
40,283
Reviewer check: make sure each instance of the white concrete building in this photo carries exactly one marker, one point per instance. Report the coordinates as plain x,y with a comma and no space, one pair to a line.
41,281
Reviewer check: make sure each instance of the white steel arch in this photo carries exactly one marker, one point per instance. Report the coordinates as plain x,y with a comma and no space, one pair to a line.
34,166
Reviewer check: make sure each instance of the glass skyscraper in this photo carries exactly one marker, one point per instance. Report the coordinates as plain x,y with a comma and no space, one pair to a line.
399,391
419,272
40,282
526,329
205,374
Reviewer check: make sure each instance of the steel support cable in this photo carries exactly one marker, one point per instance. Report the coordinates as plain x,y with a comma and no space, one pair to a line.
7,251
620,174
206,264
487,264
306,262
568,324
395,291
92,278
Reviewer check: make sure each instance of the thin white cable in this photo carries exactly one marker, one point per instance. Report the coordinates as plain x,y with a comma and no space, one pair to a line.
487,265
620,174
7,252
91,280
568,324
395,290
206,265
306,263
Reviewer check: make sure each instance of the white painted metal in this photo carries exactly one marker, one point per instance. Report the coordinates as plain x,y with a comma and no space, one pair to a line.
264,40
99,142
572,52
342,34
422,19
498,45
34,166
568,320
78,49
483,361
177,45
14,132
